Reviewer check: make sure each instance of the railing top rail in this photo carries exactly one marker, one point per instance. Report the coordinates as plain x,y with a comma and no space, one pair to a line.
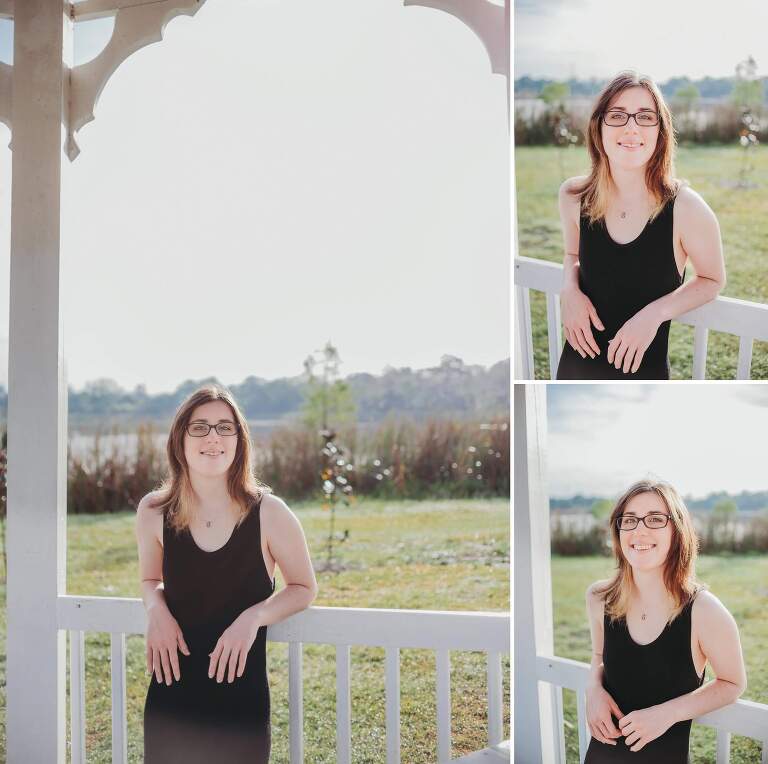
744,717
723,314
431,629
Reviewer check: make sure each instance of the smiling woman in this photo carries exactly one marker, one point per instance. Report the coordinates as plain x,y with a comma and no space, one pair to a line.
630,228
654,629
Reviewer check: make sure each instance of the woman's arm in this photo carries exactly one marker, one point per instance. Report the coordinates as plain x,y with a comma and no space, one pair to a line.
288,547
700,239
600,705
718,637
578,313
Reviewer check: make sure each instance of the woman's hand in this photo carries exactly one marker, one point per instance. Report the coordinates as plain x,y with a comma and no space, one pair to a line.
640,727
600,707
577,311
163,638
233,646
626,349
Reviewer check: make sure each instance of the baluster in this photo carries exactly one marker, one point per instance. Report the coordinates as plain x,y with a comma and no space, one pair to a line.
119,736
295,703
443,690
343,707
392,691
77,695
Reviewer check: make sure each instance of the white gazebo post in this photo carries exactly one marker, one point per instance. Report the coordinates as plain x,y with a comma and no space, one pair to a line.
37,407
537,706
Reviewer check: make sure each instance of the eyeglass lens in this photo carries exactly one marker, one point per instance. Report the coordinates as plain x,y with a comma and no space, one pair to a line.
620,118
201,429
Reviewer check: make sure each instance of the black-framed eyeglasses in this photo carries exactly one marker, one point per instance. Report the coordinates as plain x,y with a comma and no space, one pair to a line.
618,118
651,521
201,429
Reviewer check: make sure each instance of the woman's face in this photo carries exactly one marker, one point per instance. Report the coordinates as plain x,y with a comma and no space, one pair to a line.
212,454
630,146
646,548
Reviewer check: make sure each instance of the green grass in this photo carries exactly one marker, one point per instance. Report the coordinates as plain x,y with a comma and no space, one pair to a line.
738,581
712,171
433,555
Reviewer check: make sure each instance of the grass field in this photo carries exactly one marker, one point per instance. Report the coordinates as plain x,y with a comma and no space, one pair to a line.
442,555
740,583
743,217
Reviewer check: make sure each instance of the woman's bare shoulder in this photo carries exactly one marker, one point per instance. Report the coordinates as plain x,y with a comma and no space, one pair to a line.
569,186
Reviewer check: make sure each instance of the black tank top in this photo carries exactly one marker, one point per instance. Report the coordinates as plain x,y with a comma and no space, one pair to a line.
620,280
639,676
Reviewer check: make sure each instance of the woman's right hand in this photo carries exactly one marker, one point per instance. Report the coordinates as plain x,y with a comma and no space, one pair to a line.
163,638
600,707
577,311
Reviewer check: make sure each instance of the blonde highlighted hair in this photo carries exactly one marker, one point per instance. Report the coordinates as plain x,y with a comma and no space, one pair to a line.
596,190
177,496
679,567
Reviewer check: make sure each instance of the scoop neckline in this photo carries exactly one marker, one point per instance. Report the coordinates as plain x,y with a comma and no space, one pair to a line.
628,243
238,525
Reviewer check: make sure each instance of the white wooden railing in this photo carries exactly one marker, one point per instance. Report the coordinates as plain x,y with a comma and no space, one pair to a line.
343,627
747,320
740,718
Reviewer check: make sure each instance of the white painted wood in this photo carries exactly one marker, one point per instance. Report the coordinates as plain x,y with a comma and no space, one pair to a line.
485,19
499,754
296,702
764,757
554,335
136,26
77,695
744,717
700,336
372,627
581,724
723,752
495,709
443,693
558,728
743,369
343,707
534,636
6,89
524,334
392,694
119,732
37,412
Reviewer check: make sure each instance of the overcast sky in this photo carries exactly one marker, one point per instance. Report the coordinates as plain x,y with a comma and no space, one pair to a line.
273,175
595,38
699,437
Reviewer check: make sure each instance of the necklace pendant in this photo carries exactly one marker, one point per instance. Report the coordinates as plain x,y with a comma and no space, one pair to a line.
623,215
643,617
208,525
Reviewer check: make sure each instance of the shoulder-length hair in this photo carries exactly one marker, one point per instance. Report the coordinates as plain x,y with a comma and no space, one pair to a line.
597,188
244,487
679,567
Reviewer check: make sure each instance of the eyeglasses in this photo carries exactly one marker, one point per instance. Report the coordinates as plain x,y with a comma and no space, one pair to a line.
201,429
652,521
616,118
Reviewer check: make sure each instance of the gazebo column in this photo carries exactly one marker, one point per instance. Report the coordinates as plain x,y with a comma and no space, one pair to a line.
37,403
537,736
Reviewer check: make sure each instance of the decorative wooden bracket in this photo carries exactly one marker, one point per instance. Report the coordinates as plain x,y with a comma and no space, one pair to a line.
487,20
138,23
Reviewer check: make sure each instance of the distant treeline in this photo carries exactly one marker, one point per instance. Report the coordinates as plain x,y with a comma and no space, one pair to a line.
450,389
439,458
714,88
746,501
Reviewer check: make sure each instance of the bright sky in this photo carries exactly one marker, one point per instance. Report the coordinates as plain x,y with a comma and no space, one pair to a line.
699,437
594,38
273,175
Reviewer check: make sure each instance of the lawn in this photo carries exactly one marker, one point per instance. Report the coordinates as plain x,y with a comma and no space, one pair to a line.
739,582
440,555
711,171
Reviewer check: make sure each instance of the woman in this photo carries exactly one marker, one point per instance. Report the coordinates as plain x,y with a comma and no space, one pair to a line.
654,629
630,229
209,541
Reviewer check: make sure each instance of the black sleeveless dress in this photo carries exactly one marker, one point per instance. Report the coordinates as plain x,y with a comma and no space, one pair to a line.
639,676
197,719
620,280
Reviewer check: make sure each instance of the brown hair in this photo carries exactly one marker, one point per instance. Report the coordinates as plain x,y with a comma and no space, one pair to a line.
596,189
243,486
679,567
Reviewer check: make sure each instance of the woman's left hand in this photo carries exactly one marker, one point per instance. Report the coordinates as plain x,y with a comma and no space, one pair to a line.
626,349
232,648
640,727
